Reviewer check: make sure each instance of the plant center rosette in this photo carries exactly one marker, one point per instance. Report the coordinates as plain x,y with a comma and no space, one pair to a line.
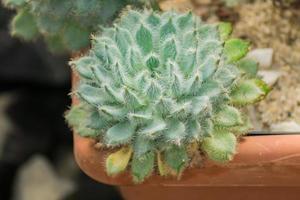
156,88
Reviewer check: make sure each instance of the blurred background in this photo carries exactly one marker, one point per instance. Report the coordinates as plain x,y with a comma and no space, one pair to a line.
36,160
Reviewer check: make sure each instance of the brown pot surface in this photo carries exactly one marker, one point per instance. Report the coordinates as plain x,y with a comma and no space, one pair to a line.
209,193
261,161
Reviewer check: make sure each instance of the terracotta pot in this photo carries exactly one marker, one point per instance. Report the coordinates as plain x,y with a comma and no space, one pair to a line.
268,161
261,161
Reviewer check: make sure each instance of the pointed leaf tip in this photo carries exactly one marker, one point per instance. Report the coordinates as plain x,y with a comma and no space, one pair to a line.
235,49
228,116
220,147
176,158
249,91
142,166
248,66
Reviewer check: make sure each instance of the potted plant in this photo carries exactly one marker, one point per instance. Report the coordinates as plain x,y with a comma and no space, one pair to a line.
255,161
80,116
160,96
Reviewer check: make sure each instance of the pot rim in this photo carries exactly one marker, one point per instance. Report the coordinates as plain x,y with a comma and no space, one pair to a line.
261,161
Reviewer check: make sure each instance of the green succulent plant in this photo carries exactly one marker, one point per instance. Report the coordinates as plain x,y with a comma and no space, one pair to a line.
65,24
156,84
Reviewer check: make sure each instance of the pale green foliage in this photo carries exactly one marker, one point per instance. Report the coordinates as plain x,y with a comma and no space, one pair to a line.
23,25
160,82
65,24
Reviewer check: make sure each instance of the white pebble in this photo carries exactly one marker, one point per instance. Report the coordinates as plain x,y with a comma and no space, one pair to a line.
263,56
269,76
291,126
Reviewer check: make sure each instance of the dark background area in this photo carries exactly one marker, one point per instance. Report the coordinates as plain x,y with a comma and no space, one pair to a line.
38,84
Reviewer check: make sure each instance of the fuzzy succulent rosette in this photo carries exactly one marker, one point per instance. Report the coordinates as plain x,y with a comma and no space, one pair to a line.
155,85
64,24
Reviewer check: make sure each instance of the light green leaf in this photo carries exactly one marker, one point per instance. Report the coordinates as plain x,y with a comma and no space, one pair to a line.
176,158
142,145
114,94
153,90
142,166
207,127
153,130
135,60
119,134
77,118
235,49
144,39
169,50
123,39
228,116
249,91
194,131
185,21
225,29
133,100
220,147
249,67
90,94
114,111
167,29
175,132
83,66
95,121
242,129
153,20
200,104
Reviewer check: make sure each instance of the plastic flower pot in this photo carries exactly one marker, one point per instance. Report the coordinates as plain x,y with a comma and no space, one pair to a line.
263,160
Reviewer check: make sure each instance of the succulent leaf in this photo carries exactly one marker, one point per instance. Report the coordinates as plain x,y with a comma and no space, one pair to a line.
117,162
163,82
249,91
66,25
235,49
225,29
120,133
144,39
77,117
177,158
142,166
220,147
228,116
24,25
249,67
